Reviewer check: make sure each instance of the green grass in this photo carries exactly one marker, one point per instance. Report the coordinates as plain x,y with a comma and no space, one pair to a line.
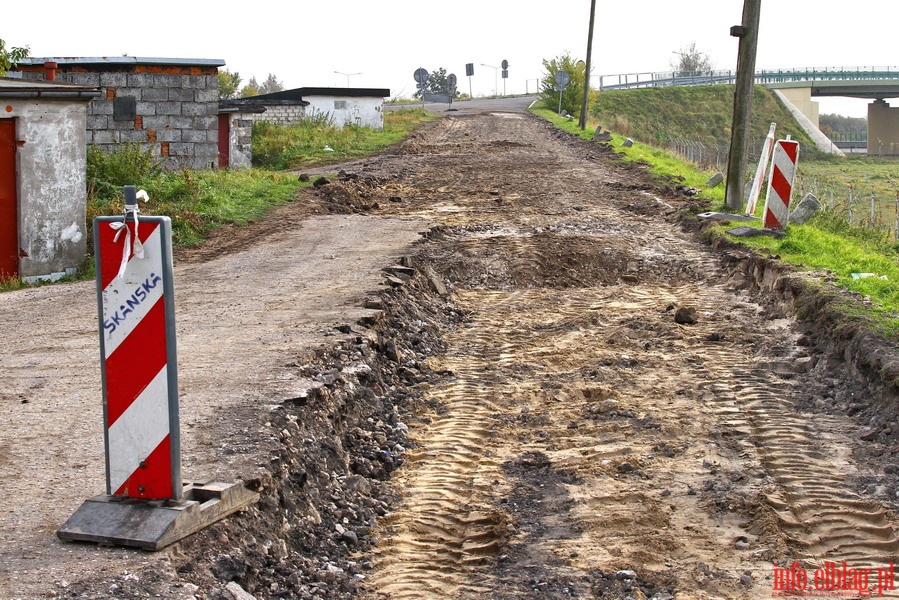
831,181
316,143
196,201
702,114
828,245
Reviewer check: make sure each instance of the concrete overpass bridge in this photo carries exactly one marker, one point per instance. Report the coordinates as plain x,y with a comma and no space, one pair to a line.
797,88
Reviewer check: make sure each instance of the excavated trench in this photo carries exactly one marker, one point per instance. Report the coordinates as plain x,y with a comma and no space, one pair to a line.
566,395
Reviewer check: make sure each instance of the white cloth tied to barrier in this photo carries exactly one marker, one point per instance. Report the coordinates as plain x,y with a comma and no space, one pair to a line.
137,248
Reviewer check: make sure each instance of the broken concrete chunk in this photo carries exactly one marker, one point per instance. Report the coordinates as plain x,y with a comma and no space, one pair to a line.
715,179
805,210
719,216
237,592
373,303
601,135
400,270
755,232
435,282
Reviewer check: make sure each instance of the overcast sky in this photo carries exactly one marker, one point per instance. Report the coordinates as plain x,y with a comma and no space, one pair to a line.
380,44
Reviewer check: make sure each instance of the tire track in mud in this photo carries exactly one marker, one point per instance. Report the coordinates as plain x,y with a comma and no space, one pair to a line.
662,443
448,522
807,457
522,367
820,518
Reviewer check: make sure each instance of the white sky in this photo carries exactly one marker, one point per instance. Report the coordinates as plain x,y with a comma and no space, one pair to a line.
380,44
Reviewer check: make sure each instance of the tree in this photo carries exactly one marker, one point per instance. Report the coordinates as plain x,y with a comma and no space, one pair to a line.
9,57
691,61
229,84
573,93
254,88
251,89
438,83
271,85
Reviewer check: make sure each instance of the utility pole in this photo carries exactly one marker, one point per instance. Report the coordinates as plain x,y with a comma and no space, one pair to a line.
582,122
748,33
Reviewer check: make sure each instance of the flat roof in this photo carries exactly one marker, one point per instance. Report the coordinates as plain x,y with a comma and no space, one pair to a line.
298,93
122,60
15,87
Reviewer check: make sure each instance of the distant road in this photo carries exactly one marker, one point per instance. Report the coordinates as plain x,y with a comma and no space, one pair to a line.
475,106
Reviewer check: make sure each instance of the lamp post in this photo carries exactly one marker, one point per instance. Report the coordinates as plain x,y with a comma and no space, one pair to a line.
347,75
495,78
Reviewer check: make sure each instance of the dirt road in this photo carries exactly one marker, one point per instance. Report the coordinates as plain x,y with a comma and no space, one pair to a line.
559,392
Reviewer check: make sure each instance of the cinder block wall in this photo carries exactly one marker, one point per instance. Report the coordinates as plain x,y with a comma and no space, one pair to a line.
175,108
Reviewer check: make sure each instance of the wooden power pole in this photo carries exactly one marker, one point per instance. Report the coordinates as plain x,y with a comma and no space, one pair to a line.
748,33
582,121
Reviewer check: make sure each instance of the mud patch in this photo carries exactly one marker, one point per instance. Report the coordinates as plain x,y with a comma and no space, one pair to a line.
539,504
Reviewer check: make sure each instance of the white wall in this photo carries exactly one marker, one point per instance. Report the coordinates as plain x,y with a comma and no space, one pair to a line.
343,110
51,187
240,141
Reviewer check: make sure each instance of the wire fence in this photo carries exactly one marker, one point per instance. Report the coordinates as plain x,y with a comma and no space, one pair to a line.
706,155
870,205
861,199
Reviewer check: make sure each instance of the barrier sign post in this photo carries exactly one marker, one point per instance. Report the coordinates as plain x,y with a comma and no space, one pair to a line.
146,503
780,184
135,295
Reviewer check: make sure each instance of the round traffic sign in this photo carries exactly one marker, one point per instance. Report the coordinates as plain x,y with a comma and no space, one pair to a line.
562,78
420,75
505,64
451,79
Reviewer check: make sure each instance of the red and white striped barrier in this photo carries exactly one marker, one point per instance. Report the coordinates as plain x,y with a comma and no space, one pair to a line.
135,300
138,360
780,184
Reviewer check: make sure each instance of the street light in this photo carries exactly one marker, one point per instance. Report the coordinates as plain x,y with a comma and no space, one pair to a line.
495,78
348,75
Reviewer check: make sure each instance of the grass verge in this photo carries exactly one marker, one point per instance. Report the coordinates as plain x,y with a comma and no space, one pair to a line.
318,142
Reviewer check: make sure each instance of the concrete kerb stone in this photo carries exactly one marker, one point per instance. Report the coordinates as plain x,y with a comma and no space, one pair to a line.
714,180
805,210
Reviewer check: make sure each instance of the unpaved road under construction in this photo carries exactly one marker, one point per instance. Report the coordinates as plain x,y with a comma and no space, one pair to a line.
501,366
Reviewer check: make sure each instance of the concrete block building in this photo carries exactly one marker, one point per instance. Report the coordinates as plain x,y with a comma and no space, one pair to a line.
43,196
339,106
169,105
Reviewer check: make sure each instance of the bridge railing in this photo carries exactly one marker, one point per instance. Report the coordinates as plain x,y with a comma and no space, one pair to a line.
765,76
849,136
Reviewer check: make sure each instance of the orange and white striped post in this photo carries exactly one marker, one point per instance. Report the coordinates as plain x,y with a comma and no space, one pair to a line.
780,184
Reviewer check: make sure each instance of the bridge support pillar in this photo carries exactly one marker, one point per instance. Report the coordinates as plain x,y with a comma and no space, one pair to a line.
801,98
883,129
